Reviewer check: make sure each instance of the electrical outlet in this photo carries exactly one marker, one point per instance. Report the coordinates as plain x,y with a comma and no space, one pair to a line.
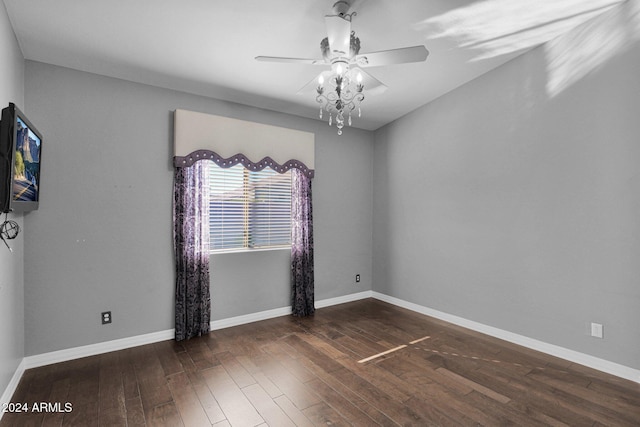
597,330
106,317
357,278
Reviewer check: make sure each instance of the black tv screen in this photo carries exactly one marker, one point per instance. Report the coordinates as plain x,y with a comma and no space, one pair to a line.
21,150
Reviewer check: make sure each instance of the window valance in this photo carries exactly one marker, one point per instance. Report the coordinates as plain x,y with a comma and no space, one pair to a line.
230,141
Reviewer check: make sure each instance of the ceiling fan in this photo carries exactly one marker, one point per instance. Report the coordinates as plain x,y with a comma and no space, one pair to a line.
341,89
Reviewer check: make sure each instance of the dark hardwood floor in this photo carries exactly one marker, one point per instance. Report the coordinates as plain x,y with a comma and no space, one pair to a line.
314,372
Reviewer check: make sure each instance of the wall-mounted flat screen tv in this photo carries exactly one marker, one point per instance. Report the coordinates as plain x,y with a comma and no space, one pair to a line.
20,158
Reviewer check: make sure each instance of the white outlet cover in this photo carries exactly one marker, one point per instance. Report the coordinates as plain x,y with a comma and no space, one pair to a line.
597,330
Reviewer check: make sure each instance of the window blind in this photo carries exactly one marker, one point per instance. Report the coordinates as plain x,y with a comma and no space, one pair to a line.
248,209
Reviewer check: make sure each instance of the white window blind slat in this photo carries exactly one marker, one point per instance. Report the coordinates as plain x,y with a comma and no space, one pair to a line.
249,209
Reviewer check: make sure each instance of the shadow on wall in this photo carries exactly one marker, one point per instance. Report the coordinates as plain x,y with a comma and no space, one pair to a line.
575,55
593,31
497,27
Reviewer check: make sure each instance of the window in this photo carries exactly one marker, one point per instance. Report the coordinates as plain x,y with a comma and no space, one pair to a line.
248,209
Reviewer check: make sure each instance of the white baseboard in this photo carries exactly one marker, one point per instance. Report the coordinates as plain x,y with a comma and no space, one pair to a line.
120,344
94,349
250,318
551,349
343,299
284,311
12,386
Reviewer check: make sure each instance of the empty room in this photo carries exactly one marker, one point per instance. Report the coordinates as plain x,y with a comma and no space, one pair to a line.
306,213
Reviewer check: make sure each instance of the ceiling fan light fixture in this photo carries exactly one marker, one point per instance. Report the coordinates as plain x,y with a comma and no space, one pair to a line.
340,94
340,90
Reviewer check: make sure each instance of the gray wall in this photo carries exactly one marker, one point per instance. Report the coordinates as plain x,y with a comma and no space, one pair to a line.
101,239
514,200
11,271
511,201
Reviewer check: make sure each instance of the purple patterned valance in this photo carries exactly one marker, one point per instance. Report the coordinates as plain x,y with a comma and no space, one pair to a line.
190,159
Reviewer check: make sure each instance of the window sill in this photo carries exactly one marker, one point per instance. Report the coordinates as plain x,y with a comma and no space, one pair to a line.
237,251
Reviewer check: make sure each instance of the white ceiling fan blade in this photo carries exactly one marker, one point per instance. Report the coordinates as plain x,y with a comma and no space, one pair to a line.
393,56
372,86
339,35
290,60
313,84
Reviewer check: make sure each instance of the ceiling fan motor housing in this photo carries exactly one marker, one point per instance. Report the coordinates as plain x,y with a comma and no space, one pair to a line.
354,49
341,8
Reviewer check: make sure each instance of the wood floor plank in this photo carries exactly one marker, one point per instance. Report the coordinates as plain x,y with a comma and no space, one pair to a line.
235,369
163,415
83,392
154,393
305,372
201,355
266,407
298,418
432,415
112,417
380,378
351,396
288,357
260,377
59,393
82,415
322,359
359,343
111,390
474,385
443,403
437,377
129,379
622,394
538,397
322,414
135,412
209,404
346,409
22,419
392,408
235,405
54,420
168,356
324,345
508,414
298,392
186,401
578,388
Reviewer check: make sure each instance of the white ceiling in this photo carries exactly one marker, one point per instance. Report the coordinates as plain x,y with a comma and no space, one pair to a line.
207,47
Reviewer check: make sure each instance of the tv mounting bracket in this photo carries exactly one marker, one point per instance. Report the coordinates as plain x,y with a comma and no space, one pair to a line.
8,231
